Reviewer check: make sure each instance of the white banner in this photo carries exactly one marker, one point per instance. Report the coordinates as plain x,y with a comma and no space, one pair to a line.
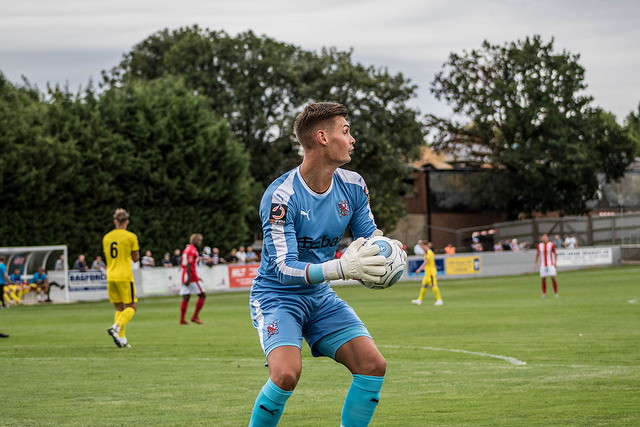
164,281
584,257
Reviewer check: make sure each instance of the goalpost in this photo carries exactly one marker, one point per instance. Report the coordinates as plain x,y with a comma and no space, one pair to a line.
29,258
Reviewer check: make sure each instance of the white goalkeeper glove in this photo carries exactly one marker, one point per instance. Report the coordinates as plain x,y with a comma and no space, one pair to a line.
362,263
355,263
378,232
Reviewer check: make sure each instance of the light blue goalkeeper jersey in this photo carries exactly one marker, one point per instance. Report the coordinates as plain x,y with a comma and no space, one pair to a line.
301,226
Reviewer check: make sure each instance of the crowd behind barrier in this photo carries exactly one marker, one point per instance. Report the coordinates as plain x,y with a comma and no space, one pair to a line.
157,281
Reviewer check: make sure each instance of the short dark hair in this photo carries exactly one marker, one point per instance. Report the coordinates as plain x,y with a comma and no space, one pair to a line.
313,116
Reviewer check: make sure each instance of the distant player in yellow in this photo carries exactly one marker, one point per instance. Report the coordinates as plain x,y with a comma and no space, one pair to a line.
429,267
121,248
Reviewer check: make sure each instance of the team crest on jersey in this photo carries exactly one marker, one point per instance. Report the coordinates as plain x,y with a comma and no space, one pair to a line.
343,207
278,214
272,328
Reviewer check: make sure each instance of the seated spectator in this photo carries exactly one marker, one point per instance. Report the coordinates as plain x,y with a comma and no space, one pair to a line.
16,288
417,249
98,264
450,249
557,241
60,264
506,246
232,258
147,260
176,259
497,247
570,242
514,245
80,264
476,246
252,257
40,282
166,261
242,255
216,258
205,257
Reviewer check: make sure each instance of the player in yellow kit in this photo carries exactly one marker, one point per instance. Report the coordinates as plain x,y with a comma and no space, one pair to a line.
121,248
429,267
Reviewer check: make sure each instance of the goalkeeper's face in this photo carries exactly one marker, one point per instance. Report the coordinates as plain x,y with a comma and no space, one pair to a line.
340,143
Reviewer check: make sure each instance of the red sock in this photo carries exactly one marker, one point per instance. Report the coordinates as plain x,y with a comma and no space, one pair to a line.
183,309
544,286
199,305
555,285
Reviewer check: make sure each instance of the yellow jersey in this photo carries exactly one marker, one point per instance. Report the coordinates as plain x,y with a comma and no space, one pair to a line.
430,267
118,245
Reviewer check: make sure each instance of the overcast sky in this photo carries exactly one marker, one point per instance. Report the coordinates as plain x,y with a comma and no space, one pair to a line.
71,41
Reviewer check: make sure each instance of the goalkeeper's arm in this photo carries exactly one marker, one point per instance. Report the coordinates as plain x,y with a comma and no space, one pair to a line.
355,263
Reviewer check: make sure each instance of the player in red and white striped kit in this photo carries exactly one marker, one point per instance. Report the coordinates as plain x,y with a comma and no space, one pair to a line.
191,283
546,253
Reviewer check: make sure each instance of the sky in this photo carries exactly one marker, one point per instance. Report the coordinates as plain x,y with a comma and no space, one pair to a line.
72,41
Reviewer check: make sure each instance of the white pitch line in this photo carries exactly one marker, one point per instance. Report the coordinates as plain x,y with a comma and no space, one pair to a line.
511,360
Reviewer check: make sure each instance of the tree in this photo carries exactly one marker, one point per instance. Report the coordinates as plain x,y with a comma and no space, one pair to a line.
174,165
154,148
527,116
259,84
632,128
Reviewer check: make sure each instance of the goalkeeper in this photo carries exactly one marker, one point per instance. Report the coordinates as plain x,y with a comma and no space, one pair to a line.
304,215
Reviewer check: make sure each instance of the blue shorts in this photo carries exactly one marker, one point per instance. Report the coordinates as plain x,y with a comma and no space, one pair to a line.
285,318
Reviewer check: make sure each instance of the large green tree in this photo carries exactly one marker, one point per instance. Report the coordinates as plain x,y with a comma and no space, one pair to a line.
521,107
154,148
632,128
259,84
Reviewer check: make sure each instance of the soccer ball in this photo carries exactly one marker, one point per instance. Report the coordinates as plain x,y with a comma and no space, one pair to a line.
395,263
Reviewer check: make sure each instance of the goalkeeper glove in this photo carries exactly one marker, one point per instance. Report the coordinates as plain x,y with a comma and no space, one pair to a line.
355,263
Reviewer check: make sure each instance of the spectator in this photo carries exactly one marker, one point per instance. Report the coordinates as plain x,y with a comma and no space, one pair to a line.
233,257
557,241
4,282
506,246
60,263
514,245
497,247
417,249
450,249
40,283
252,257
17,288
476,246
242,255
166,261
176,259
98,264
80,264
216,258
147,260
571,242
205,257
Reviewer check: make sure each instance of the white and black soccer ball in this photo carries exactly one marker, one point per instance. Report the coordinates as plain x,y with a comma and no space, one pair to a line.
395,264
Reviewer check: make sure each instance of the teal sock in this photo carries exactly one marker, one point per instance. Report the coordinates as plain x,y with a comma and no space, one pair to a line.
269,405
361,401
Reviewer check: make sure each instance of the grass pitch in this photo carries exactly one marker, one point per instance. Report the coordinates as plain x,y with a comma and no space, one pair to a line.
494,354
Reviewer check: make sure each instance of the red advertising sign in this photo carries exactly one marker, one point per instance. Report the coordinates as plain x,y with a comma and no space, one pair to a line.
240,276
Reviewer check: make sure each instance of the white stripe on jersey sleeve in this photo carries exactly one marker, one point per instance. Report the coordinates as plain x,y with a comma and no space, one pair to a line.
283,194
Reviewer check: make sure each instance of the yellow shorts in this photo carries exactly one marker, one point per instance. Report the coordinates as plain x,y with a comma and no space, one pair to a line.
429,279
124,292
